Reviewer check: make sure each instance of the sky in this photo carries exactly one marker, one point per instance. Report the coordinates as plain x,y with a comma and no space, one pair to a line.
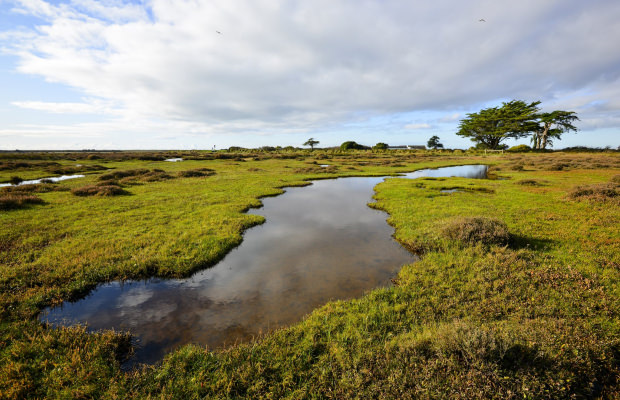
199,74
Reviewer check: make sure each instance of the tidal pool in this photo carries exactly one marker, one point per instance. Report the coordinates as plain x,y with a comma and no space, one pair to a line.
319,243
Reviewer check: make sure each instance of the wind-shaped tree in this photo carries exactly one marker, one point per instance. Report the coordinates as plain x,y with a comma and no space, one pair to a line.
490,126
311,142
551,126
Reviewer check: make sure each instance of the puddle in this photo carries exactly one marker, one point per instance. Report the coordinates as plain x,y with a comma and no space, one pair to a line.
451,191
53,179
319,243
173,159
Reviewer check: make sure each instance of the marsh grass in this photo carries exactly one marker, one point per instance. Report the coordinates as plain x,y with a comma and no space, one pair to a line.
99,190
11,201
537,320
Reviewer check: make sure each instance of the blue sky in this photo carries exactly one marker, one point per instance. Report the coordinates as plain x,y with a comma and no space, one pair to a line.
156,74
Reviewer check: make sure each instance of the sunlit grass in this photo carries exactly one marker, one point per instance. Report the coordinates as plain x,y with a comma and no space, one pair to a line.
536,318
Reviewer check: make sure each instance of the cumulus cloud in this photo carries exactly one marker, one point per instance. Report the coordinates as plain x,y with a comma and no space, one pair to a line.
280,65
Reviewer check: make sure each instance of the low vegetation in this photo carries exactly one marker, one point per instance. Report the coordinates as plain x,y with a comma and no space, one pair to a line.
474,318
476,230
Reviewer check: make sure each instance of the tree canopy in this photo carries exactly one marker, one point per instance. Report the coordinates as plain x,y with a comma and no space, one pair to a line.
351,145
516,119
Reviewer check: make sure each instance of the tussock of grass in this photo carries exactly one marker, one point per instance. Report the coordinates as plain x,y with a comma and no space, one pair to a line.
12,201
473,230
600,192
529,182
99,190
195,173
35,188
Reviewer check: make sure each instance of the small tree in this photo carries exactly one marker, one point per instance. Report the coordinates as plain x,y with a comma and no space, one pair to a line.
551,126
433,143
311,142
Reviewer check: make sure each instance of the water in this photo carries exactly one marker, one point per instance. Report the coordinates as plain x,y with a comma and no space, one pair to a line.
53,179
319,243
463,171
173,159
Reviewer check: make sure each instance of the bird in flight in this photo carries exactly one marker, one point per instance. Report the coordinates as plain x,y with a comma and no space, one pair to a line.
219,32
482,20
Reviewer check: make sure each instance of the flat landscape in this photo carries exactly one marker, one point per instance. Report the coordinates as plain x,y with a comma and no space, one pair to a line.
515,293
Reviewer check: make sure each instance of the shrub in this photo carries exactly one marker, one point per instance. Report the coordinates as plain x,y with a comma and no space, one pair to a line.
521,148
380,146
17,200
615,179
98,190
472,230
16,180
350,145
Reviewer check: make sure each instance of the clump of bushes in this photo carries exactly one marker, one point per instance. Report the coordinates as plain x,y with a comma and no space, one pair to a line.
599,192
198,172
9,201
99,190
522,148
473,230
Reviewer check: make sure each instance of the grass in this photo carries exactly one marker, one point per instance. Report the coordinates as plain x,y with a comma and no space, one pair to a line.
535,319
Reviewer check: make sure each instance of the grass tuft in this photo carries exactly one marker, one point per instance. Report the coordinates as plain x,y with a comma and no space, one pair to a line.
473,230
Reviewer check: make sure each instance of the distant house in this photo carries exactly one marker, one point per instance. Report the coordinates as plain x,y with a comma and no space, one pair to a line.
408,147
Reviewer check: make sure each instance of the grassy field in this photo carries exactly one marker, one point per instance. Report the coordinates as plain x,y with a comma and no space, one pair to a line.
535,317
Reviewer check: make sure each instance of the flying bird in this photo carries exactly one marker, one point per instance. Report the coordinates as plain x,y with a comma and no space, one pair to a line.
482,20
219,32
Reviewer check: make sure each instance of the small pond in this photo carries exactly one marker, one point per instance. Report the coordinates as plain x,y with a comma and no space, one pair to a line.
173,159
319,243
52,179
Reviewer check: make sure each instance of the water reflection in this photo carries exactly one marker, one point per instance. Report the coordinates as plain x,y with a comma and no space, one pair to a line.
319,243
51,179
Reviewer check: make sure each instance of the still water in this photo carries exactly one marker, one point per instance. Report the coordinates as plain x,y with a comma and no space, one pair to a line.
319,243
51,179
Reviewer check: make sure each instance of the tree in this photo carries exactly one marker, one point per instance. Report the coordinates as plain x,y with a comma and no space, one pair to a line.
380,146
551,126
311,142
350,145
433,143
490,126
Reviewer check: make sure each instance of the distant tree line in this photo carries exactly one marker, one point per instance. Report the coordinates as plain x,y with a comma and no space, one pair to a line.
514,120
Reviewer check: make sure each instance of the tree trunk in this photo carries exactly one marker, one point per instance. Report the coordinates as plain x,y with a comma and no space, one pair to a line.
544,134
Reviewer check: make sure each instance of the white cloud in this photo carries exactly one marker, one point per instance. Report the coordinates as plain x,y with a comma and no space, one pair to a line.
418,126
294,66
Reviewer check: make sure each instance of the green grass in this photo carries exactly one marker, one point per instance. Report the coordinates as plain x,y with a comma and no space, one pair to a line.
535,319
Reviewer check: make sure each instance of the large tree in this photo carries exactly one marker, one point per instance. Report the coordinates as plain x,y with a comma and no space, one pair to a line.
490,126
551,126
